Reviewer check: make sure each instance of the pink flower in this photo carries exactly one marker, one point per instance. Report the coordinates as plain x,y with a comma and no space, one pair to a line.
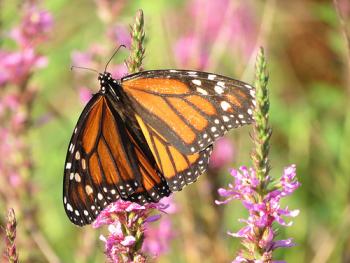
34,28
223,153
263,212
126,225
17,66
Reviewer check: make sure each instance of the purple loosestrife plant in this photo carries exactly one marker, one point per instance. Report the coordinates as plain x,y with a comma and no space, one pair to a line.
258,192
126,226
17,96
11,251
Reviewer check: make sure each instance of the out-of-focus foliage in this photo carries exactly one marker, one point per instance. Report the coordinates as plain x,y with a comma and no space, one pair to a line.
309,87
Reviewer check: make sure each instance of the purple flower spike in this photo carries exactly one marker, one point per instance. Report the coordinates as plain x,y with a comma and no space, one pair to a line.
126,227
35,27
264,211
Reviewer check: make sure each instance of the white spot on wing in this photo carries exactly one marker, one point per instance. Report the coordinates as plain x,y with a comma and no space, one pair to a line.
88,189
225,105
202,91
77,155
211,76
77,177
68,165
197,82
69,207
220,83
219,89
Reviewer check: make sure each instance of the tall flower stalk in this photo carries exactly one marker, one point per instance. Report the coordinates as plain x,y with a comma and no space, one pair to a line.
11,250
128,239
137,49
18,63
259,193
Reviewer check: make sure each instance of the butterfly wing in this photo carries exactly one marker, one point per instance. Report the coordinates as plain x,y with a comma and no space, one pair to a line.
189,109
178,169
106,161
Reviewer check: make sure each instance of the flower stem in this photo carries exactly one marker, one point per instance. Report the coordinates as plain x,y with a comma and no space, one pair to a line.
137,50
134,64
11,251
261,129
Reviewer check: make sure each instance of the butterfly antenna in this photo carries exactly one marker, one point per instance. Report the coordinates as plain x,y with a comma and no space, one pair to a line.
115,52
73,67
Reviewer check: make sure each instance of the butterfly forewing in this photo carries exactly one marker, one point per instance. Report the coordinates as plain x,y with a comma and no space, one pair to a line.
106,161
190,109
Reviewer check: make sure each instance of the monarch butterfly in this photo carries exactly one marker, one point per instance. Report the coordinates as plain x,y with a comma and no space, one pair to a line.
148,134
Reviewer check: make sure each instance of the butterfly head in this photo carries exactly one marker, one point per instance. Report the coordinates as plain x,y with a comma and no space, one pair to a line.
104,79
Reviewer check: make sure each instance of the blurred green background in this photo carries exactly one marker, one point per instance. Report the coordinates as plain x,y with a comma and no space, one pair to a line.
308,61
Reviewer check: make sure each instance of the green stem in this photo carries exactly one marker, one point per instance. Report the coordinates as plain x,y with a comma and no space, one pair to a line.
261,129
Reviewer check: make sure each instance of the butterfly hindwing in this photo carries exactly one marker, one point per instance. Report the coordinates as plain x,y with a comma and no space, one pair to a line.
190,109
178,169
106,161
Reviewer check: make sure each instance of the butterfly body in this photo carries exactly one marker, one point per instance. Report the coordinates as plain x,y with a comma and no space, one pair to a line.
146,135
